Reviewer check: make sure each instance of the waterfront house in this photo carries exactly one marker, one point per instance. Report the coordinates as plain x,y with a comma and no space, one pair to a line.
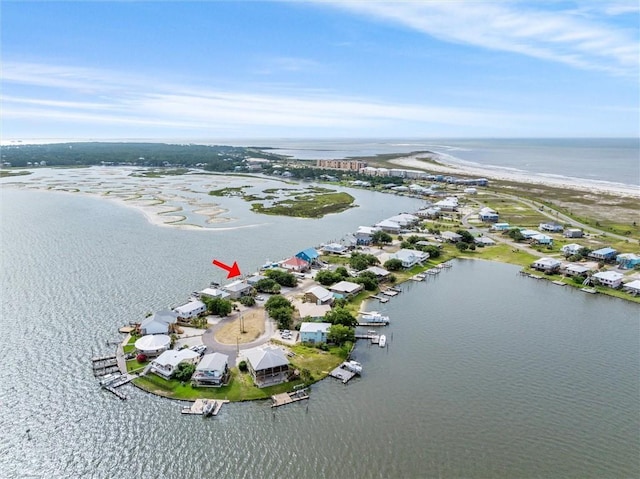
488,215
573,233
349,241
548,265
296,264
430,213
551,227
335,248
267,365
166,364
575,269
192,309
450,236
310,255
252,280
237,289
381,273
312,311
632,287
603,254
409,257
628,260
612,279
448,204
364,234
318,295
571,249
314,332
212,371
158,323
214,293
389,226
153,344
346,288
405,220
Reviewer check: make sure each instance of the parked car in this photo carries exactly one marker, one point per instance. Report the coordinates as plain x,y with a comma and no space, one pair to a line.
200,349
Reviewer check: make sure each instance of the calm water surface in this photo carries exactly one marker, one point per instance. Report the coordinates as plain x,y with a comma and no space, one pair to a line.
487,374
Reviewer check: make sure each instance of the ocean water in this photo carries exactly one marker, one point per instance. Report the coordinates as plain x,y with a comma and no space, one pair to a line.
486,374
615,160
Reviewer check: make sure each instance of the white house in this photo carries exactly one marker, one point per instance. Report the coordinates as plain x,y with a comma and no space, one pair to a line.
192,309
409,257
448,204
404,219
364,234
488,215
612,279
546,264
575,269
212,370
571,249
165,364
551,227
335,248
346,288
158,323
214,293
500,226
389,226
573,233
632,287
542,239
153,344
450,236
237,289
312,311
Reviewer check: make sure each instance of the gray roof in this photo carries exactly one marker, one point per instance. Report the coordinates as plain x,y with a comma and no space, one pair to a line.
314,327
213,362
266,358
345,287
319,292
236,286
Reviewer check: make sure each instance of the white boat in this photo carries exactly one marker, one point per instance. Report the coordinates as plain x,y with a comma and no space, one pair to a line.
208,408
374,317
353,366
382,342
108,379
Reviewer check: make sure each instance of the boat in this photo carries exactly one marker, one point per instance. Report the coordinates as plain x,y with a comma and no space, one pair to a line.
108,379
373,317
353,366
208,408
382,342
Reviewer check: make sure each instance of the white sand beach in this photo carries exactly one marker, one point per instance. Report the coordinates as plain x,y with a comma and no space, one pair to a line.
441,165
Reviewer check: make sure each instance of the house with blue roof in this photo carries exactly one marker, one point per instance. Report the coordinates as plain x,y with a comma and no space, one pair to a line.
628,260
603,254
310,255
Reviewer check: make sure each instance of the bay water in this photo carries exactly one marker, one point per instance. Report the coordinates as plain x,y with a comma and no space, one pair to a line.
486,373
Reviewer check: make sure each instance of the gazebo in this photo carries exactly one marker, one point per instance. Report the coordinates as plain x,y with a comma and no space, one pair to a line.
153,344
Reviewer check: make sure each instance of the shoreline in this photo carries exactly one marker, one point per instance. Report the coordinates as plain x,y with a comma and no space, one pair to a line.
440,163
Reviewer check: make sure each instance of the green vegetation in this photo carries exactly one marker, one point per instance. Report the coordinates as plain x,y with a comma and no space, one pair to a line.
8,173
229,191
308,206
218,306
281,277
160,173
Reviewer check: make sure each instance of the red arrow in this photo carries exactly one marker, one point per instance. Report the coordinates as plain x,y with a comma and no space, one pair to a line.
232,270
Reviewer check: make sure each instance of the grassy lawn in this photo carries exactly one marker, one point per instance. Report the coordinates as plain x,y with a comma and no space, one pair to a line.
8,173
318,362
500,252
253,322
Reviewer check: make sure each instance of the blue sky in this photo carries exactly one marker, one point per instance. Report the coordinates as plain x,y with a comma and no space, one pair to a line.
315,69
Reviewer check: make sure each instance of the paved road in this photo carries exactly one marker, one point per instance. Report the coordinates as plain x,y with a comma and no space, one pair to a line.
232,350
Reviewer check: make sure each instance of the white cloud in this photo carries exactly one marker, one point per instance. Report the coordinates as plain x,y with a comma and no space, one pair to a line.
71,94
583,41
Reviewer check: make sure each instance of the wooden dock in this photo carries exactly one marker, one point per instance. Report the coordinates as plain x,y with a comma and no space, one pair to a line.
390,292
290,397
342,374
559,283
379,298
103,365
197,408
113,390
376,323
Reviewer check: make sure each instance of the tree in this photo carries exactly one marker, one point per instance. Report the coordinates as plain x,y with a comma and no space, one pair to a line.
340,334
342,271
381,237
341,316
462,246
359,261
218,306
277,301
515,234
433,251
282,277
184,371
247,301
370,284
267,285
283,316
467,237
393,264
327,278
